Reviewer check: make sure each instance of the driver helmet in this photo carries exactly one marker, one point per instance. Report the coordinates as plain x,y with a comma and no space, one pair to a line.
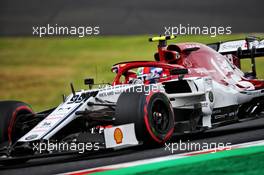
149,73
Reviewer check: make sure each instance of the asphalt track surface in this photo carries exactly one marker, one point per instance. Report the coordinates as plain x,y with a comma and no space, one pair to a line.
130,17
252,130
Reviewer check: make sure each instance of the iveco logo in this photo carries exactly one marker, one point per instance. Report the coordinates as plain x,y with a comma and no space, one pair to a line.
31,137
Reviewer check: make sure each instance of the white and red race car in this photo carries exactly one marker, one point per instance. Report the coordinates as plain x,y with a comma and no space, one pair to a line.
190,87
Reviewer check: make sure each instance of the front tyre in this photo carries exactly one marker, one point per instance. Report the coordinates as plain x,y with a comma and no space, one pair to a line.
10,116
151,113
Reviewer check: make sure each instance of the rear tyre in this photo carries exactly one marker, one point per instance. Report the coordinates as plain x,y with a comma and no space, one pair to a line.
151,113
11,113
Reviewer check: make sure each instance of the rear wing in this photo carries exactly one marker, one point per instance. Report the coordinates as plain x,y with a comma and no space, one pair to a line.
241,48
249,47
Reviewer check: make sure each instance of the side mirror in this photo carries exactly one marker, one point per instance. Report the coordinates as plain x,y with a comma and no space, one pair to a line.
191,49
178,71
89,82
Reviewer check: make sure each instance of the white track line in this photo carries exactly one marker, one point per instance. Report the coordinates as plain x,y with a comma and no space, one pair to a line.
164,158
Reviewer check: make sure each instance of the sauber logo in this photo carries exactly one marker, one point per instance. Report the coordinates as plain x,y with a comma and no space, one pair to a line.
118,135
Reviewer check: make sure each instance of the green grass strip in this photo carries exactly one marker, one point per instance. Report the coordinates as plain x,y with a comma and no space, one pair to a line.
249,161
32,66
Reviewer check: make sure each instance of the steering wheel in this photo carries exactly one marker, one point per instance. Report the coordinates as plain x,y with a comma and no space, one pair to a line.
135,81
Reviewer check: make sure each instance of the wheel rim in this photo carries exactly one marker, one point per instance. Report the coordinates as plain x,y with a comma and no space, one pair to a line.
160,117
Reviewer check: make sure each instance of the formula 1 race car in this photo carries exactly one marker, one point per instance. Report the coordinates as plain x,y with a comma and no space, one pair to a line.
189,88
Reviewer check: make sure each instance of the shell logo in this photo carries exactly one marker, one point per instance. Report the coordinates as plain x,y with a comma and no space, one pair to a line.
118,135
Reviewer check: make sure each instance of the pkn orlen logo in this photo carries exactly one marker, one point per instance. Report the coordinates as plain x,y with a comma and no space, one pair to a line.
118,135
